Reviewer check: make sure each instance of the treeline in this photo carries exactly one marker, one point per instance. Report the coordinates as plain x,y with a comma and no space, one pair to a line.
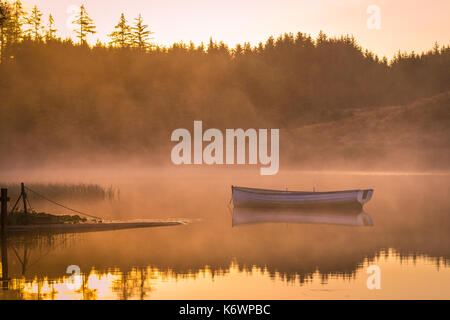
17,25
128,95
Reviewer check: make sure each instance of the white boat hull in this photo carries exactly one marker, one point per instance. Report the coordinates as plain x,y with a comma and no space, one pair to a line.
251,197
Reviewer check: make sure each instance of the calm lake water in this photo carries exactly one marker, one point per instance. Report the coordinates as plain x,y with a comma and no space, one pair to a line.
404,230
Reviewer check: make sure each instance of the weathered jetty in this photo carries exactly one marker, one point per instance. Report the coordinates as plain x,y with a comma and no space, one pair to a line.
42,223
88,227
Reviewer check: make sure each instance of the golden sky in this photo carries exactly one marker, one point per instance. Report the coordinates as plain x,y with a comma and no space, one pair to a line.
404,24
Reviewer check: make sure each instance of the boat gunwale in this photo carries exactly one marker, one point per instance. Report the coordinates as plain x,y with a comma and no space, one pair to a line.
286,192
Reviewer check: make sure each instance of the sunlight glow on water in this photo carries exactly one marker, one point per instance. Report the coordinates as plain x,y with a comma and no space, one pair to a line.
151,283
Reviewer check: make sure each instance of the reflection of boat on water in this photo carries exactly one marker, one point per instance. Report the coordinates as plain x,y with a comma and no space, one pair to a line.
252,197
242,216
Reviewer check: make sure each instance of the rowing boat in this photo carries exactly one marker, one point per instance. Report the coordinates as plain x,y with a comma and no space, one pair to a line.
252,197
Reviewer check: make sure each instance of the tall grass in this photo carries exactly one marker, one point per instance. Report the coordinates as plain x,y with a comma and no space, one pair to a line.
65,191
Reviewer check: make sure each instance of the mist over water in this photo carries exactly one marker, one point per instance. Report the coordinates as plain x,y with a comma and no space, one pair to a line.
408,238
90,127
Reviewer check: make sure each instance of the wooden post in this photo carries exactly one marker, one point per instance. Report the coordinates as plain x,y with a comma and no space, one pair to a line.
24,198
4,208
4,250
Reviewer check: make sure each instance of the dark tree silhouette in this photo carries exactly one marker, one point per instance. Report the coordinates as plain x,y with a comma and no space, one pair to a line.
5,15
140,34
5,12
85,25
16,22
121,36
35,23
50,33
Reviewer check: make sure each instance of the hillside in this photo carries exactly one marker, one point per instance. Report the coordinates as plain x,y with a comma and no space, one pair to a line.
413,136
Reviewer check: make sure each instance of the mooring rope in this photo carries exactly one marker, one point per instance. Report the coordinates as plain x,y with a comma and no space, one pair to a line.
61,205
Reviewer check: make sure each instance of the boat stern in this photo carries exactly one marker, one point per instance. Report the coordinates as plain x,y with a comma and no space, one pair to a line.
364,196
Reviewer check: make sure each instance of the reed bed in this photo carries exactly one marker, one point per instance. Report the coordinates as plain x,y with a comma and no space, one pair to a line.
64,191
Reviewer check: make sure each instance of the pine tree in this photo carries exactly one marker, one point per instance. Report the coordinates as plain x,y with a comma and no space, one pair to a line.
238,50
50,33
321,38
212,46
16,22
5,15
85,25
35,21
247,48
140,34
436,48
121,37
